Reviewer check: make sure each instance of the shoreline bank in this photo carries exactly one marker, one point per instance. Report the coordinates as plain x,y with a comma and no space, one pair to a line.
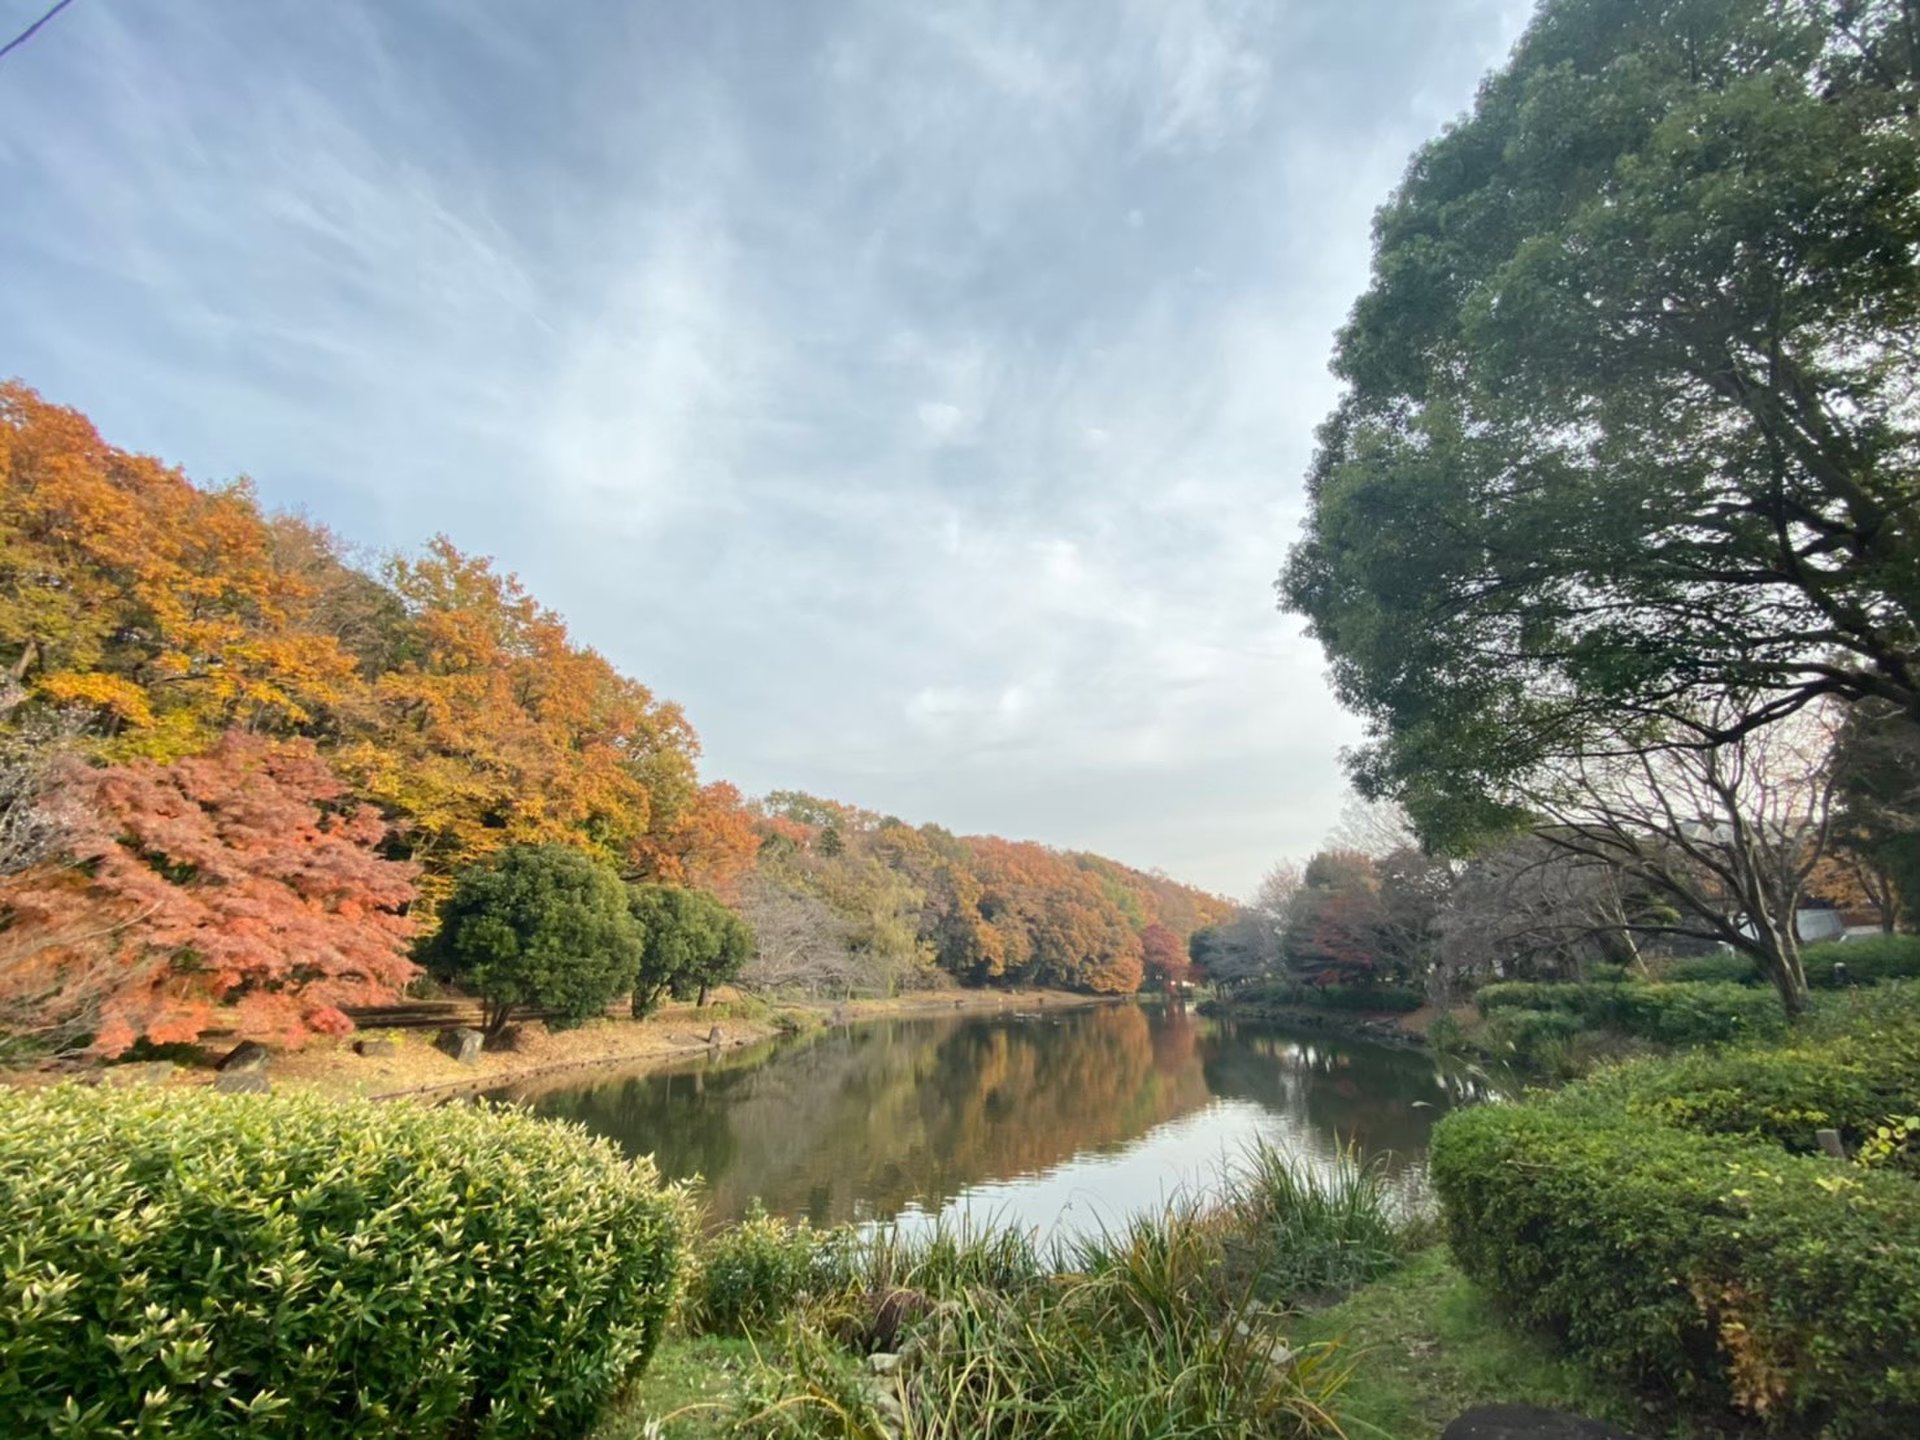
678,1032
1405,1030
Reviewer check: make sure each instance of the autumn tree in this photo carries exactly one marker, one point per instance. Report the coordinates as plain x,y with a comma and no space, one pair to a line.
154,606
712,845
493,728
240,890
542,926
693,943
1165,958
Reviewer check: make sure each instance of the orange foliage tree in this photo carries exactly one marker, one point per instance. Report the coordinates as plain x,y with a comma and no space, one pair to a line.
492,728
240,890
154,605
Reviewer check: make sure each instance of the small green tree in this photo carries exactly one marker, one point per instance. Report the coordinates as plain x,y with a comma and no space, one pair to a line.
540,925
693,943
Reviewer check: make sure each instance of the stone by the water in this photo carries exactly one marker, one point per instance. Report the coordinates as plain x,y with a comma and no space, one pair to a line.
242,1082
246,1058
377,1047
462,1043
1529,1422
716,1036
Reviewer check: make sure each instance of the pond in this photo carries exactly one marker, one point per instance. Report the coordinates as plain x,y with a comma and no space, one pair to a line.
1058,1123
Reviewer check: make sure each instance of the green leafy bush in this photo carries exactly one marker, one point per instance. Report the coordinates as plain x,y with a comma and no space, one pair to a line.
751,1275
1573,998
1868,961
191,1264
1691,1014
1400,998
1537,1041
1716,1269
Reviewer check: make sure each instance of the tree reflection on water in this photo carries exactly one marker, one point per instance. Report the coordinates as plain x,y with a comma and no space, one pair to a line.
1114,1102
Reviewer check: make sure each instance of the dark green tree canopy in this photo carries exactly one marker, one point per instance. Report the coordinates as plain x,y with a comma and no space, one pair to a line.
693,942
1631,414
539,925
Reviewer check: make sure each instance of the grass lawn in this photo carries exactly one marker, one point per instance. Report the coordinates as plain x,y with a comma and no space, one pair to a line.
1424,1345
683,1376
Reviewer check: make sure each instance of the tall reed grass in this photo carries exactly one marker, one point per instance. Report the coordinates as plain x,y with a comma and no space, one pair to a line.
1159,1326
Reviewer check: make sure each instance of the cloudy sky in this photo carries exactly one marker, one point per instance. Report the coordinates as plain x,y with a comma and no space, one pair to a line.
918,391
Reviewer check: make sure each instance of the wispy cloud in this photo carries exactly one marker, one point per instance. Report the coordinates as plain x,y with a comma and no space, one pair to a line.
919,392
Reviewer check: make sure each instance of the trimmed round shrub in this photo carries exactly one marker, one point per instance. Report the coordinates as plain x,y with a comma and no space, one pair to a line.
181,1263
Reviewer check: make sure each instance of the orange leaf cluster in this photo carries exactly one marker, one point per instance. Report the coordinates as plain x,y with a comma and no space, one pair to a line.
237,890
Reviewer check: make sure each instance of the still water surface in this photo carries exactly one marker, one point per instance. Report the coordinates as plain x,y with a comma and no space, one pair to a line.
1056,1123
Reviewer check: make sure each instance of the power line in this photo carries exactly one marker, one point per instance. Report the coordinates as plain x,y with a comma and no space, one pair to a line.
27,34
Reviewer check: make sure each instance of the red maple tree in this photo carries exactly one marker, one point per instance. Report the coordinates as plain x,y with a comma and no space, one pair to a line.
1167,965
238,890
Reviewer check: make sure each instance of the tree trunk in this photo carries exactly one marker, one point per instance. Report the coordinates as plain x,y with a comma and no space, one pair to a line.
1779,953
495,1017
703,995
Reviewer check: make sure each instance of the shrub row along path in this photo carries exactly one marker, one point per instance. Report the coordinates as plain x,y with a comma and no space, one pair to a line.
419,1069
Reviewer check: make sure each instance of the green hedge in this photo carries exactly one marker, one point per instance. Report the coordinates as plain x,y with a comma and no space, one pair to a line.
191,1264
1714,1269
1567,995
1667,1014
1281,993
1727,969
1851,1083
1868,960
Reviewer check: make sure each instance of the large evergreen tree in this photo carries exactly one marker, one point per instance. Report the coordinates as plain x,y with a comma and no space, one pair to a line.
1630,410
